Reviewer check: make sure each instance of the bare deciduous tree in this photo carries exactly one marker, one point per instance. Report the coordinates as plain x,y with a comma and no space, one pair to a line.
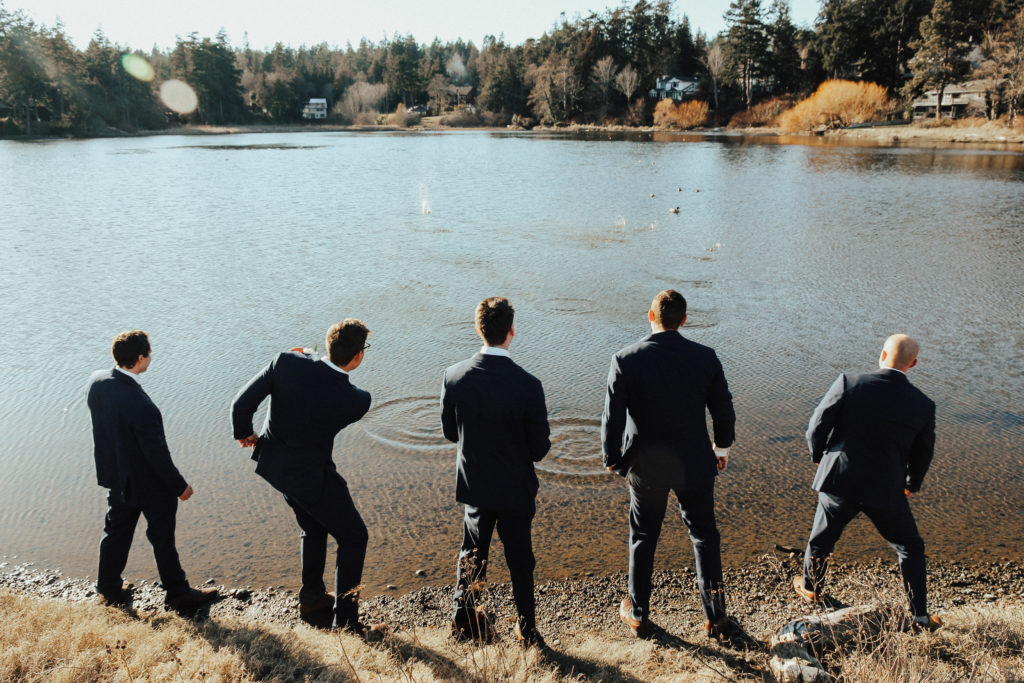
627,81
361,97
603,76
714,60
437,91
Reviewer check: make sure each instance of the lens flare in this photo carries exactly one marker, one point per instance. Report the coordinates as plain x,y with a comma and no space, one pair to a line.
137,67
179,96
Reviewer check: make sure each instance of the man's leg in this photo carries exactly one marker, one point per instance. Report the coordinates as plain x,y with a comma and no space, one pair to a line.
646,513
313,550
118,530
898,527
336,512
477,529
514,530
698,511
831,517
160,525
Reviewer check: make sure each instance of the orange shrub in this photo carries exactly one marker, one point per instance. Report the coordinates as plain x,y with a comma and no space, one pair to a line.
684,115
836,104
761,114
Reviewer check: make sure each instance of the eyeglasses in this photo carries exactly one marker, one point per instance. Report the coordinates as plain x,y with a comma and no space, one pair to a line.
365,347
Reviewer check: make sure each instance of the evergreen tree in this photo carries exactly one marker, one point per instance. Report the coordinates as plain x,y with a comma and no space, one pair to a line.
941,49
746,44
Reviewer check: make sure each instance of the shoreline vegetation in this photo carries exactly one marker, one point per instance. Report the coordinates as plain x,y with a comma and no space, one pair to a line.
964,132
56,630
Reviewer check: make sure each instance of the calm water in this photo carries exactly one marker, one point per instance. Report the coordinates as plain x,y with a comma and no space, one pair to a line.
797,261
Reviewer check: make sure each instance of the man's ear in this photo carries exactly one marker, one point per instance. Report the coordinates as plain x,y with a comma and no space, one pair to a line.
650,316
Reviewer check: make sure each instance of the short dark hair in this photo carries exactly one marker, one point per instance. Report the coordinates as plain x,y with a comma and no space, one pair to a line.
669,309
494,316
128,346
345,340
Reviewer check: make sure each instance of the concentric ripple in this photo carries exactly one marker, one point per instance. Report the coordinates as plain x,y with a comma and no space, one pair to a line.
411,423
575,447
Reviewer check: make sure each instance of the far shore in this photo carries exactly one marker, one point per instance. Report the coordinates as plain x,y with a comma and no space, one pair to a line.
965,133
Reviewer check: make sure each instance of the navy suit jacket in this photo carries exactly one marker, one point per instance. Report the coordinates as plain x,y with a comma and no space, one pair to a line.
654,420
310,402
873,435
130,449
495,411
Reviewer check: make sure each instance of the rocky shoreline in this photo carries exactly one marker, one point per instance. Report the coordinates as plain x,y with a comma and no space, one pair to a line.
759,596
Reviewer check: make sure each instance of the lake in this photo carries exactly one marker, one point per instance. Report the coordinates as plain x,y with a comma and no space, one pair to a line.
797,261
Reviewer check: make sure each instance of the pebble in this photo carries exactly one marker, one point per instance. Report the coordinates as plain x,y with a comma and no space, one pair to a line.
391,587
210,582
421,572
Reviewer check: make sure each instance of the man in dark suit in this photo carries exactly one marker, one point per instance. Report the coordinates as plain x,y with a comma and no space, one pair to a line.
654,433
311,400
873,436
495,411
134,463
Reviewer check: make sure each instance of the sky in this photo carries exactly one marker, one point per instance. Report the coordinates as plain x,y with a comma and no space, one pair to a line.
142,25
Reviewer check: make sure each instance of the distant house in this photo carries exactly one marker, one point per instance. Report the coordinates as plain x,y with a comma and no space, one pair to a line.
958,100
676,88
316,108
459,95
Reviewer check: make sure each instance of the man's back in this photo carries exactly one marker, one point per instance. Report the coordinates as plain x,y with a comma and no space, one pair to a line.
131,453
495,410
665,383
874,434
310,403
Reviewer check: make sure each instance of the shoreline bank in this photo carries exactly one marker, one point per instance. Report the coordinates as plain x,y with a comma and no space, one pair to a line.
251,631
966,134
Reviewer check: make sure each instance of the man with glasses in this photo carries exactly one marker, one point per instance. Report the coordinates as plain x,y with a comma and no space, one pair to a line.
311,401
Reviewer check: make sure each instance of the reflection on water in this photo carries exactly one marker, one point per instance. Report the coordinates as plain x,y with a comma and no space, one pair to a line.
797,260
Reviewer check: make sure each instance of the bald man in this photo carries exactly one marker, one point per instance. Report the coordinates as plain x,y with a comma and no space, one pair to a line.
873,436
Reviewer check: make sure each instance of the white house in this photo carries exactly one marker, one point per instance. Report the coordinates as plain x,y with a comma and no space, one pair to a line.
676,88
316,108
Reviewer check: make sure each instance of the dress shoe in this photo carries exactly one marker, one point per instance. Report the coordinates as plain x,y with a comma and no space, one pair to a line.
472,624
529,637
121,597
191,599
316,606
641,627
929,622
373,633
729,633
808,596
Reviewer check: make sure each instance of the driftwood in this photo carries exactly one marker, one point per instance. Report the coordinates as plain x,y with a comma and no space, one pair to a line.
793,647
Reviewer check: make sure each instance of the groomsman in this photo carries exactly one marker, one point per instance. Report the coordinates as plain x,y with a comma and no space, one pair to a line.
495,411
654,433
873,436
311,400
134,464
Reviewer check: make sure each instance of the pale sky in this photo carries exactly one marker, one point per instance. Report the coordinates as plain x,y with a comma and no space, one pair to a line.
141,25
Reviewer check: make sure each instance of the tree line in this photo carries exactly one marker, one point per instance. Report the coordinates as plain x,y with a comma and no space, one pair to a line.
596,68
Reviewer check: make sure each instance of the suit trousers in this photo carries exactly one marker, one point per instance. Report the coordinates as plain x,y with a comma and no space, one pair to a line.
647,502
118,531
515,532
335,514
896,525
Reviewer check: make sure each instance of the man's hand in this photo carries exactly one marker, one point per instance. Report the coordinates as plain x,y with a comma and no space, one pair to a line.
187,493
248,442
721,457
906,492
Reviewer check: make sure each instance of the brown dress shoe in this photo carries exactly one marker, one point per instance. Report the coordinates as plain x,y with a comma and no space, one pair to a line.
640,628
191,599
372,633
809,596
317,606
122,597
927,623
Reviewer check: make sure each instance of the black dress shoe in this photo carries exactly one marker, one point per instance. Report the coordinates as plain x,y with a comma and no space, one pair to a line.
191,599
472,624
121,597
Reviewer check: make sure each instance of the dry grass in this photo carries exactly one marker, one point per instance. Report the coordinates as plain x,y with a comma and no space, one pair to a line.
838,103
403,118
667,114
46,640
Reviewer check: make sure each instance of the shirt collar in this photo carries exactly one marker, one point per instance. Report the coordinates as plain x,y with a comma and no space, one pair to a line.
495,351
332,365
895,370
130,374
